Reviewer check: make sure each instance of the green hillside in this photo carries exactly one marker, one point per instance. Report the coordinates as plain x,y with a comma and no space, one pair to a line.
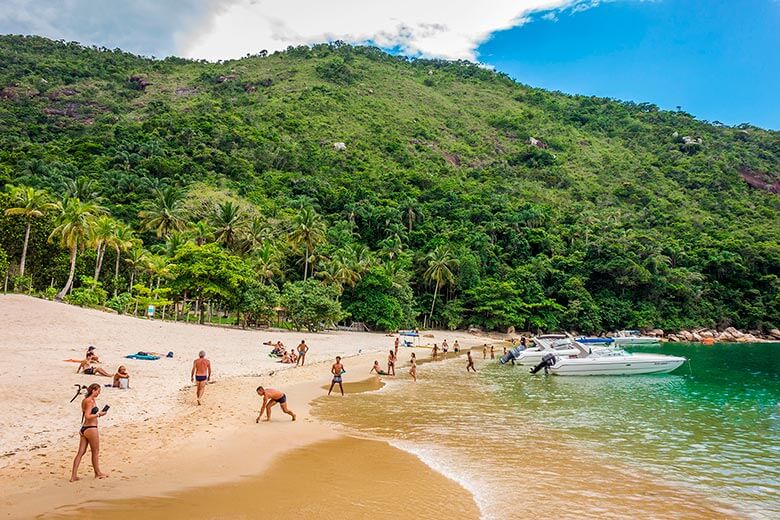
512,206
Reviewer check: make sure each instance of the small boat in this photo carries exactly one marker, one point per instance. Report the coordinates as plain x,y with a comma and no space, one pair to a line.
594,341
557,344
633,337
610,362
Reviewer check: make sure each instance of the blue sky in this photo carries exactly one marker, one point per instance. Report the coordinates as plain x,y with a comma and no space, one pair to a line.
717,59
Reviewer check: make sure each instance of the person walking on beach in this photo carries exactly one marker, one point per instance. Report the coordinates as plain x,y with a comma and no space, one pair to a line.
470,365
271,397
391,363
435,351
397,341
413,368
201,373
88,434
337,369
303,348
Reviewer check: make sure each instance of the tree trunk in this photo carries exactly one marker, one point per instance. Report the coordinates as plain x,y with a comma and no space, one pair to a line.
306,263
101,250
202,317
24,249
132,279
435,292
69,283
116,271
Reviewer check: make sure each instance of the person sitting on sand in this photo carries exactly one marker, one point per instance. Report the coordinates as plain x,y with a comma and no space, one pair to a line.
294,357
303,348
391,363
337,369
271,396
88,434
285,358
91,356
89,370
201,371
470,364
121,378
376,368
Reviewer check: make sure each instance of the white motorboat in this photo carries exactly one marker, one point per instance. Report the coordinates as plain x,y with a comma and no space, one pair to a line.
633,337
612,362
557,344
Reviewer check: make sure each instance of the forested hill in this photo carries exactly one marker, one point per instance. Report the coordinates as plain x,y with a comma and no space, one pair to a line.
512,206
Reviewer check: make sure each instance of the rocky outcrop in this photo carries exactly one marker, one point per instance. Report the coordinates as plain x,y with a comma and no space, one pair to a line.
139,82
537,142
728,335
774,334
760,180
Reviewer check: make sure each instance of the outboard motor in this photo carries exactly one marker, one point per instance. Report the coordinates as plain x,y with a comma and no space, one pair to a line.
548,360
510,356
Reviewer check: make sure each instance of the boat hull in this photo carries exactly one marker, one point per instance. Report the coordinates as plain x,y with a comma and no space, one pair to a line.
612,367
622,342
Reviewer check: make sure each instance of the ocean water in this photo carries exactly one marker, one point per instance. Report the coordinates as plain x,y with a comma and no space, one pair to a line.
702,442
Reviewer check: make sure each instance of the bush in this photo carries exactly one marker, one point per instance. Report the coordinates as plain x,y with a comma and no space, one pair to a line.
120,302
49,293
311,304
90,294
22,284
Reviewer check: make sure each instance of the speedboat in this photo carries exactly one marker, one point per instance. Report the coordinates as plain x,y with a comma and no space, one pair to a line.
594,341
633,337
556,344
610,362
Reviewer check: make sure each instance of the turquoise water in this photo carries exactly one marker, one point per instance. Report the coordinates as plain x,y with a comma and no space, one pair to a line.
714,424
702,442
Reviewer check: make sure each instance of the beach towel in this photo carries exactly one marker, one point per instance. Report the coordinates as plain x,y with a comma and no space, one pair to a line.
143,356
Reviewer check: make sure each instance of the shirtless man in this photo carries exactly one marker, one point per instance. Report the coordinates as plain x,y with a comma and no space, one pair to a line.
271,396
376,368
201,372
470,365
337,369
303,348
484,351
492,352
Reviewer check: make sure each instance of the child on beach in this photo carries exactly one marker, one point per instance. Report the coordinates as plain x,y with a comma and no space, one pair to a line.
271,396
337,369
88,434
470,365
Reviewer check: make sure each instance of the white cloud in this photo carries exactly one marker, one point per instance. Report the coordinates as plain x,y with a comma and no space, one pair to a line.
451,29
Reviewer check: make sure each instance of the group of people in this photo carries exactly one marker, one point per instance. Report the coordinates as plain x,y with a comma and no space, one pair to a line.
295,356
445,348
89,366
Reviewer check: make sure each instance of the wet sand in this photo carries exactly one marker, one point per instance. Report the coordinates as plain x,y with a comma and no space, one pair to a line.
341,478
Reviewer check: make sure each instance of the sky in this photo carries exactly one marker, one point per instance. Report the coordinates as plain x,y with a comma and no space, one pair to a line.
716,59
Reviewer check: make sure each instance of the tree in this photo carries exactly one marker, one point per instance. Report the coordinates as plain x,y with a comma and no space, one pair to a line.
200,232
122,241
28,203
84,189
228,222
73,229
308,231
265,260
440,266
257,302
377,301
311,304
102,234
138,260
165,213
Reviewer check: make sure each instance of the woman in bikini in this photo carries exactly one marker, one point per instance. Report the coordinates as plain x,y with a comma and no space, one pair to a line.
88,435
391,364
88,369
413,368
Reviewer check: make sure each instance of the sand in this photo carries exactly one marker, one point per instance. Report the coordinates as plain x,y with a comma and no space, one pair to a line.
155,440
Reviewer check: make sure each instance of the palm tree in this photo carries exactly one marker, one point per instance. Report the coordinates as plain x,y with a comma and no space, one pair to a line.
441,263
29,203
84,189
266,262
137,259
228,222
166,213
101,236
74,225
200,232
308,231
122,241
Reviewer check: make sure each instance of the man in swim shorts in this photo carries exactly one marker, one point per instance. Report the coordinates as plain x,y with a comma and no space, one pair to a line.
470,365
303,348
271,396
337,369
201,373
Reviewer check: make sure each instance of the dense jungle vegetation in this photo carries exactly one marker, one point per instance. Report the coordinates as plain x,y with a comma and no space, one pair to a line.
343,183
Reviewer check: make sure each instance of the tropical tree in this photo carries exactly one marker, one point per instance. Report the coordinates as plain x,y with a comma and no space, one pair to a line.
165,213
74,225
137,259
228,222
200,232
102,235
266,262
28,203
308,231
123,240
84,189
440,266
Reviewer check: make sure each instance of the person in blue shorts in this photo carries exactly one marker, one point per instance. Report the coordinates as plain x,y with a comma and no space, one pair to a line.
337,369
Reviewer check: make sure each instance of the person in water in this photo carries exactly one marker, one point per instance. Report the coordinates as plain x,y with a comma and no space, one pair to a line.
90,370
492,352
444,348
303,348
88,434
376,368
484,351
413,368
435,351
337,369
456,346
470,364
271,397
121,374
201,373
391,364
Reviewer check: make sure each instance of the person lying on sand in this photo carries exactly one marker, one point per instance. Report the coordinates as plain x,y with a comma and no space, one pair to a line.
90,370
201,371
120,376
337,369
88,434
271,397
376,368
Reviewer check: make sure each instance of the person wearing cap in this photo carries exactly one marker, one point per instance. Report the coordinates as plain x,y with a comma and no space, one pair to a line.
91,356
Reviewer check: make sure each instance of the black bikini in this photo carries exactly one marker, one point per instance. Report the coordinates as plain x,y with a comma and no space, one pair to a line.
84,428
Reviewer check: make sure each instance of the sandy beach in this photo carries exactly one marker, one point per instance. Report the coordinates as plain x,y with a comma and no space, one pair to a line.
155,440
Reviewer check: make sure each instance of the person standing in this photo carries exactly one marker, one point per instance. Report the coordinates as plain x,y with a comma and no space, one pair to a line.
435,351
484,351
470,365
391,363
303,348
337,369
397,341
456,346
88,434
492,352
413,368
271,397
201,373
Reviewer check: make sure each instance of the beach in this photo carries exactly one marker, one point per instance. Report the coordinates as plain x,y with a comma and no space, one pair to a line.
155,440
